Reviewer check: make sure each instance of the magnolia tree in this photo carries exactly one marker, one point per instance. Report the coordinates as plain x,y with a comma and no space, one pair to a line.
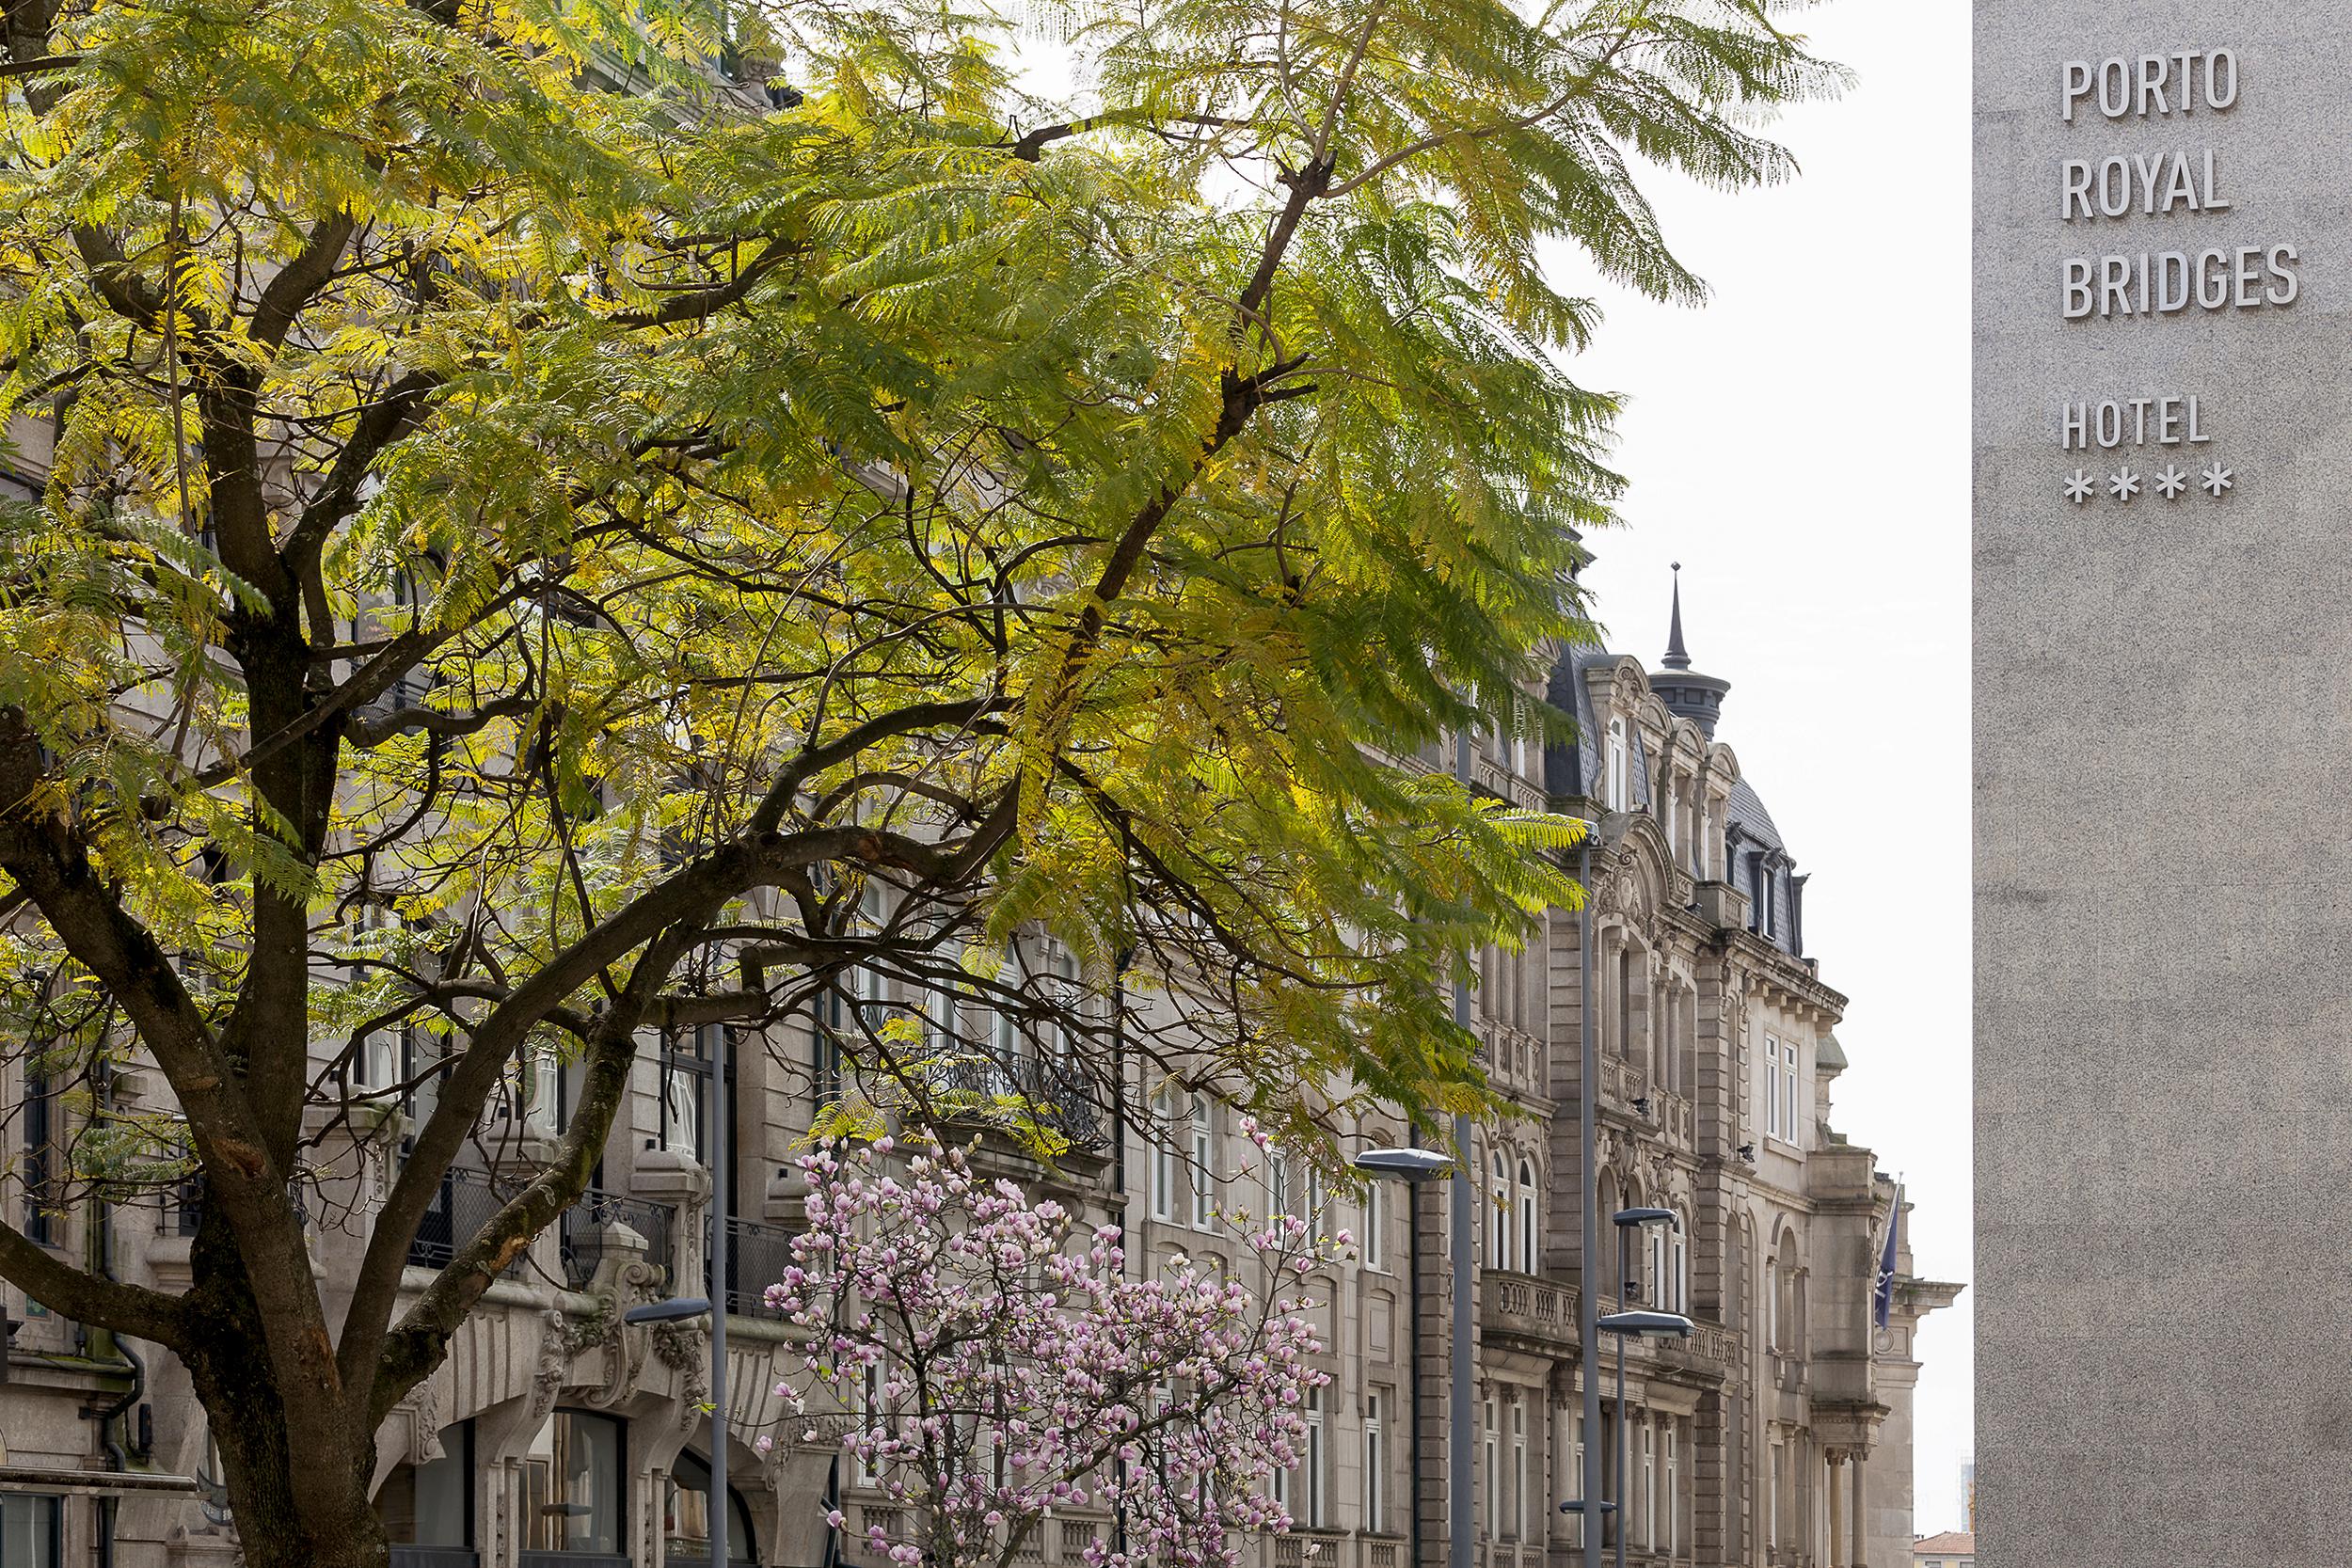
998,1362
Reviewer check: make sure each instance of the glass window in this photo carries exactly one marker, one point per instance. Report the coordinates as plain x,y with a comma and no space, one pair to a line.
572,1481
1649,1485
1164,1159
1376,1219
1499,1217
1789,1099
1494,1468
431,1504
685,1092
1203,1165
1529,1249
685,1521
30,1530
1674,1492
1517,1517
1313,1458
1375,1459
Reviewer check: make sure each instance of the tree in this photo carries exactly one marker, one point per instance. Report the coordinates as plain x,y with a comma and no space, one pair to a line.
992,1373
530,545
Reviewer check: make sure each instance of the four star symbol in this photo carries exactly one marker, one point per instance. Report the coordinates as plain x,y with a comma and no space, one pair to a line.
2171,484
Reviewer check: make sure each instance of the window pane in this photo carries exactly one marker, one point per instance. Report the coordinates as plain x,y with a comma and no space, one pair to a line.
573,1485
28,1530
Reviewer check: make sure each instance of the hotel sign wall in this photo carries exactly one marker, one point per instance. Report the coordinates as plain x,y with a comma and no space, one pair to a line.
2162,490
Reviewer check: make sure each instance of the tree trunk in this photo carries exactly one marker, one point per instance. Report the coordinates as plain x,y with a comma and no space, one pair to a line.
299,1487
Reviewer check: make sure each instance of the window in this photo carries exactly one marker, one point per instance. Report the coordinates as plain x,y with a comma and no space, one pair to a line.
533,1090
1678,1273
1062,991
1375,1221
1528,1248
686,1515
1204,1164
1780,1480
1673,1492
1771,1086
1499,1217
572,1483
1375,1462
30,1530
869,1415
1658,1293
824,1043
1517,1517
1625,1003
1278,1184
1164,1159
1649,1484
1312,1460
1620,768
40,1151
1575,1479
686,1058
1788,1098
1494,1468
431,1504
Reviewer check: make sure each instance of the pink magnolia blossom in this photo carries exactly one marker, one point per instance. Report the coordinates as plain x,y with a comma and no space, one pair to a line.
997,1363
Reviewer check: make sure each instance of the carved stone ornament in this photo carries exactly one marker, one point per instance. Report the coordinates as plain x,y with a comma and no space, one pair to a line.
685,1349
422,1406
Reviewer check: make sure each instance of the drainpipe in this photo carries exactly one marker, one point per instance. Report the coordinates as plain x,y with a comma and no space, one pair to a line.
101,1245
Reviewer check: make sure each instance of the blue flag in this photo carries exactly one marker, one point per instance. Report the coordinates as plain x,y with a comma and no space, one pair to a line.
1883,1299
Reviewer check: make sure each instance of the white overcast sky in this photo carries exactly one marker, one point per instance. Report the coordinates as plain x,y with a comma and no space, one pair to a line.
1801,444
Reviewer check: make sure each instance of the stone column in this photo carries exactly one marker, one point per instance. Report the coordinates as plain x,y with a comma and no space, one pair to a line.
1837,1459
1861,1514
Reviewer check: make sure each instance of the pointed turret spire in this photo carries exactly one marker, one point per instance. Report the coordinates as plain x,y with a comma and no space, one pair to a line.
1677,656
1696,697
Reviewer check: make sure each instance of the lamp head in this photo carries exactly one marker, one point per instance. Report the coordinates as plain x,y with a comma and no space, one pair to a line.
1648,1216
670,1311
1409,1164
1647,1326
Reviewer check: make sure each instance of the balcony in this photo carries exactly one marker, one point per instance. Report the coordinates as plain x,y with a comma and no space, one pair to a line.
973,1085
581,1226
1523,1306
1710,1352
461,1208
757,1254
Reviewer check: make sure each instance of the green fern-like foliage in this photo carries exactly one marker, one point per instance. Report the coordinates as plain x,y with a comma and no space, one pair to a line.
521,538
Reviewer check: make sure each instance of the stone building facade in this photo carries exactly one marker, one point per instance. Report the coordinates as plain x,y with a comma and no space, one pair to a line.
555,1437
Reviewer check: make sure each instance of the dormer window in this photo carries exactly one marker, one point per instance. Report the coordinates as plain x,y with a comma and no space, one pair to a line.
1620,768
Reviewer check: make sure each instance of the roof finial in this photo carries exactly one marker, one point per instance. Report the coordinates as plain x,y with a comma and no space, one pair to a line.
1677,656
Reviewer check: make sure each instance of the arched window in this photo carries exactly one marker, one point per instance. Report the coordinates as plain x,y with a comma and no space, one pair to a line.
686,1520
1606,1240
1625,1002
1529,1248
1499,1217
1663,1045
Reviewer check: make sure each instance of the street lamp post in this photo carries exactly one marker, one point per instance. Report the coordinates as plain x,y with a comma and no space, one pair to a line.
1411,1166
1595,1521
1462,1484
